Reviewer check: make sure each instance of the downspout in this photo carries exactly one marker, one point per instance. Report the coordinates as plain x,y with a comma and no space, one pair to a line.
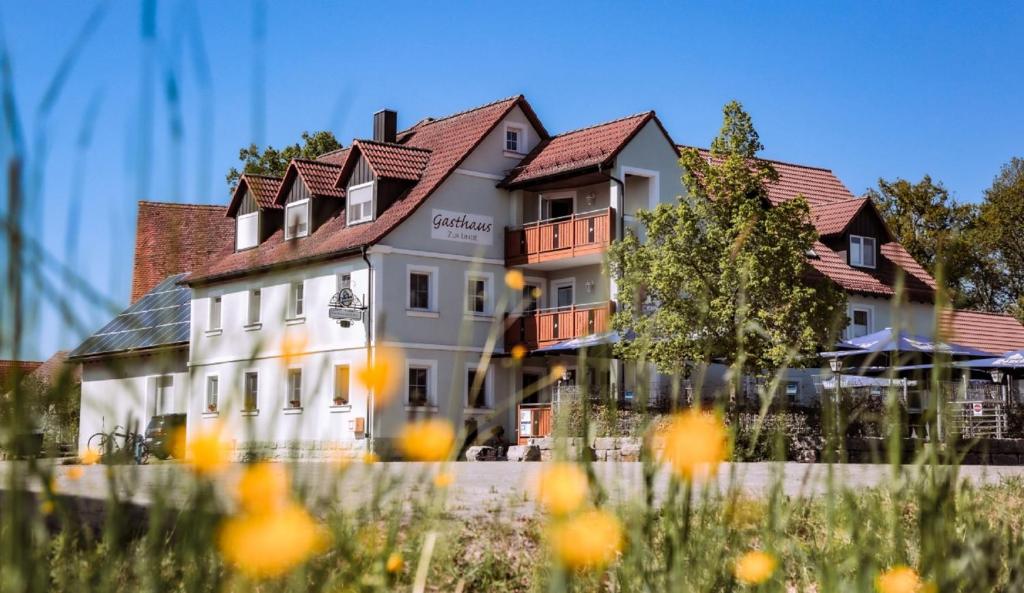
370,416
619,233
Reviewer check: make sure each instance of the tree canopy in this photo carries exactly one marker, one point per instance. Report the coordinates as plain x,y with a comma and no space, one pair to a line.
271,161
726,269
1001,237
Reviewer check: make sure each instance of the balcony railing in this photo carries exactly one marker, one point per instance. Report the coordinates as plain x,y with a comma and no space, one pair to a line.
549,326
556,238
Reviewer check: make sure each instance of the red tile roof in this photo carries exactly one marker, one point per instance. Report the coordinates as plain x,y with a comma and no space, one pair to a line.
832,218
992,332
579,150
319,178
55,367
897,254
450,141
264,191
9,367
335,157
834,267
388,160
175,238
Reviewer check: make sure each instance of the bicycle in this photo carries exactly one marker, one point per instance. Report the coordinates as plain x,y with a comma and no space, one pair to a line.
107,445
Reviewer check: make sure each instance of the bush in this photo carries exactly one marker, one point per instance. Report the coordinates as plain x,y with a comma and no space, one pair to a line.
799,431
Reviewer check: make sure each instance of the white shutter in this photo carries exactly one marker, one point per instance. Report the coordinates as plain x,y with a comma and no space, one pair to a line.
247,231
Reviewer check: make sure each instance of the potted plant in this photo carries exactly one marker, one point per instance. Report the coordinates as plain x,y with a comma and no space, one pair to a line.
339,401
295,403
211,407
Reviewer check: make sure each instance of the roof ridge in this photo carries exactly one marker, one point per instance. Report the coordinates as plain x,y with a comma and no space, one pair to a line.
332,151
315,162
604,123
463,112
992,313
389,144
777,161
261,176
179,204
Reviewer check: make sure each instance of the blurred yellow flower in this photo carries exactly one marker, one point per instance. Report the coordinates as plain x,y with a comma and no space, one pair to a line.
899,579
695,445
381,376
269,545
293,345
394,563
588,540
263,488
46,507
208,452
369,458
90,456
518,351
514,279
75,472
557,371
427,440
755,567
443,479
562,488
536,292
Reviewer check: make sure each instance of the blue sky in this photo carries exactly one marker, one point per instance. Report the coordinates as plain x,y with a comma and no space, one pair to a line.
867,89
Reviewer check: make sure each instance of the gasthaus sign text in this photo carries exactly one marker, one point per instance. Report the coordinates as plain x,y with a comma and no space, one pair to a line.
462,227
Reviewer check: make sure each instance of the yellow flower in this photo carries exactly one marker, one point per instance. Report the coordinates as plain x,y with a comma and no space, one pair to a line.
293,345
443,479
899,579
514,279
208,452
695,444
90,456
518,351
755,567
75,472
263,488
381,376
427,440
562,488
536,292
394,563
589,540
557,371
369,458
46,507
268,545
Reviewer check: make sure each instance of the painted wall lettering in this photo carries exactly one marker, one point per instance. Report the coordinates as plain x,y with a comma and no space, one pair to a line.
460,226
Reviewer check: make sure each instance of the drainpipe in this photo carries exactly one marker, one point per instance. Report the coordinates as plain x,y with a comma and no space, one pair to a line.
370,416
620,232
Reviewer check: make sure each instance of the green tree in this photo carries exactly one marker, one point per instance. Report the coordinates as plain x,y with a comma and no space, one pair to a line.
935,229
1001,238
271,161
727,270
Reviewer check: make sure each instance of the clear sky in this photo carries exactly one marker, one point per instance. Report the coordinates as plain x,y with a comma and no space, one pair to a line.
886,89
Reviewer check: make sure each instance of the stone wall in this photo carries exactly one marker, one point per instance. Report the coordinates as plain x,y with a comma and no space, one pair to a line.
980,452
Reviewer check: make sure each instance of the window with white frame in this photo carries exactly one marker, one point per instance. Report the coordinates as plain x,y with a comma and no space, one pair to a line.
515,139
477,294
862,251
255,304
294,388
360,203
247,230
419,290
215,312
251,392
296,219
860,321
212,392
296,298
342,377
418,385
476,388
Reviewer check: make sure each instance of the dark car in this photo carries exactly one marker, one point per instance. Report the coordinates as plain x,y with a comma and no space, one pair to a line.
161,433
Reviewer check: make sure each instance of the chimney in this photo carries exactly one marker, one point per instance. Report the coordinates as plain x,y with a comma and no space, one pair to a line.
385,125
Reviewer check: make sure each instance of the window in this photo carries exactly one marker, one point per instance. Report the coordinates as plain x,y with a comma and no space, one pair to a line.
360,203
476,396
792,390
163,395
255,298
215,307
514,139
247,228
476,295
295,300
212,392
294,388
564,295
341,383
860,322
419,290
419,390
251,400
531,298
296,219
862,251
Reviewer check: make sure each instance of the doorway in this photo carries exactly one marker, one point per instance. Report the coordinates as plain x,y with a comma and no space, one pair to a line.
557,206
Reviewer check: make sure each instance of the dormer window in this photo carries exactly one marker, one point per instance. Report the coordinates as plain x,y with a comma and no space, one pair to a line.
515,139
360,203
296,219
862,251
247,231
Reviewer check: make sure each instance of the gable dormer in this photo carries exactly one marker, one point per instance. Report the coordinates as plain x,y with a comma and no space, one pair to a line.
308,196
376,174
253,208
855,230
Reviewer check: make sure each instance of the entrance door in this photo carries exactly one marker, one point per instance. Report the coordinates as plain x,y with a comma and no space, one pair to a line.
531,395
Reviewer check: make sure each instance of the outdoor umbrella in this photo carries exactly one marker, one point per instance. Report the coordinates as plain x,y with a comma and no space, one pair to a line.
888,340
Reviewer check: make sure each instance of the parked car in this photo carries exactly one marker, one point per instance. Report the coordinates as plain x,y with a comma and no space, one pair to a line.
160,435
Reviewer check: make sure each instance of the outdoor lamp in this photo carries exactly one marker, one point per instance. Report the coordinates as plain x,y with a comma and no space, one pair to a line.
997,375
835,364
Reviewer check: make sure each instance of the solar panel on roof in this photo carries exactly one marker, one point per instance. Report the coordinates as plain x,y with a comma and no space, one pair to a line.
160,318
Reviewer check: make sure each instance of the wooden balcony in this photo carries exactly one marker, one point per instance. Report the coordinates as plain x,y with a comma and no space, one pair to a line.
557,238
550,326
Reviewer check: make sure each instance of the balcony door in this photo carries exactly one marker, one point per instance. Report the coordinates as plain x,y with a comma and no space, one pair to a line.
560,205
564,295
